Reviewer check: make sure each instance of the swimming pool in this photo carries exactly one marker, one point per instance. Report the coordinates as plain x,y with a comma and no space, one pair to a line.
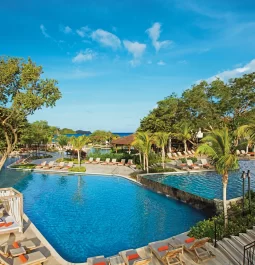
84,216
208,184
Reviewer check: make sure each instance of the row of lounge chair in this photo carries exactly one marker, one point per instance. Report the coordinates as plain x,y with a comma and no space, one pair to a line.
11,254
179,155
169,252
109,162
243,153
51,165
202,163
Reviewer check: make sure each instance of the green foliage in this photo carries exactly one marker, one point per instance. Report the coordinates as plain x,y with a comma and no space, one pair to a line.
206,105
22,92
62,140
65,159
77,169
24,166
99,137
154,158
67,131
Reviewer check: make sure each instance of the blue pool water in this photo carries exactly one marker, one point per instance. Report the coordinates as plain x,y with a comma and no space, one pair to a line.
84,216
209,184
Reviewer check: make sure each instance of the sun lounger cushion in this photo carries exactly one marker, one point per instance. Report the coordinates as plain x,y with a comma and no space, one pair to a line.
133,256
163,248
8,224
155,246
189,240
15,245
2,224
100,263
22,258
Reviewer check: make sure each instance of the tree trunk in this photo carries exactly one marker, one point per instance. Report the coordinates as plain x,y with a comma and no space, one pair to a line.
147,163
140,158
79,160
185,145
170,145
247,148
3,159
144,161
225,209
163,156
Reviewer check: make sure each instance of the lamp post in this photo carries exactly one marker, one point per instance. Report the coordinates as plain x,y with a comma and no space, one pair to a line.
243,177
249,189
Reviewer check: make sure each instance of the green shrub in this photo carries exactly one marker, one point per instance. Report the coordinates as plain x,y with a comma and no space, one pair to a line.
77,169
24,166
67,159
103,156
237,223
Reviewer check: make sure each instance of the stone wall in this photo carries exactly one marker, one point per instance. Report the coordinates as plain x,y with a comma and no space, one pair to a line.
196,201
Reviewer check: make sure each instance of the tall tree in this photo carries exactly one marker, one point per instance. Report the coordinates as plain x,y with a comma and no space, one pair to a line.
184,134
144,141
62,141
78,143
22,92
217,146
161,139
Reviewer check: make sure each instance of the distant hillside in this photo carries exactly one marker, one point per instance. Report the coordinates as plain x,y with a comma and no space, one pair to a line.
83,132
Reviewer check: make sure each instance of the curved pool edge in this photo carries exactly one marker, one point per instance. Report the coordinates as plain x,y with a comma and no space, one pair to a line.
52,250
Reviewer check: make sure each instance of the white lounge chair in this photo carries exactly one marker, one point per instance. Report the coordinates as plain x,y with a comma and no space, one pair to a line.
179,154
166,253
107,161
70,164
122,162
60,165
42,164
131,257
29,259
190,153
97,161
114,161
181,165
99,259
191,165
90,160
175,155
205,164
171,157
243,153
50,165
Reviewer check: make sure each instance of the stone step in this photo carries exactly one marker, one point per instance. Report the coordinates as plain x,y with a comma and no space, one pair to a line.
233,257
251,233
246,238
239,241
234,248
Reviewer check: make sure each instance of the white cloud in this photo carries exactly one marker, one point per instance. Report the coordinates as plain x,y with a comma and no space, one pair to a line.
83,31
161,63
106,38
66,29
43,29
239,71
154,34
136,49
83,56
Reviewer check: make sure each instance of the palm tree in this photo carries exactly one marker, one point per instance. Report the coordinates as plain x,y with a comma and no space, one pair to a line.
161,140
62,141
78,143
184,134
217,146
144,141
248,133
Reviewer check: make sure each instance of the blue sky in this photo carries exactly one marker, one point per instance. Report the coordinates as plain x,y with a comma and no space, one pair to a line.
115,59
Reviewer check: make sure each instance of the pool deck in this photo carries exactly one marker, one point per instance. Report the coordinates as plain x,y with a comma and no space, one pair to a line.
32,233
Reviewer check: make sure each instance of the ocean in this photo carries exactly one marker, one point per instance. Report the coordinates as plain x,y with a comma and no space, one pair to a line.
79,134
